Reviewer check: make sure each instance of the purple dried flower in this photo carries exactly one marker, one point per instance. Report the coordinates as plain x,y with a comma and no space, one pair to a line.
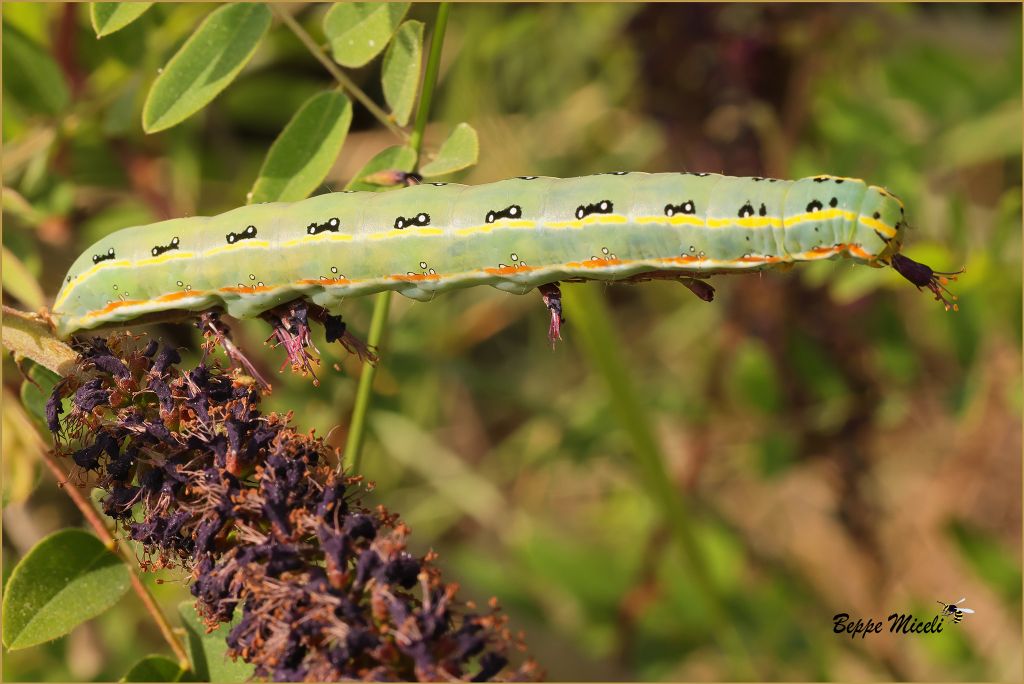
327,587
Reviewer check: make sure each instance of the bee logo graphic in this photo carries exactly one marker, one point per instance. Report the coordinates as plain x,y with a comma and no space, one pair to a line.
955,610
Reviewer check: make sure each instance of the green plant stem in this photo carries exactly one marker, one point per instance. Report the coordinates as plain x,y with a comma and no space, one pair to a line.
382,301
357,425
601,343
346,83
430,79
111,543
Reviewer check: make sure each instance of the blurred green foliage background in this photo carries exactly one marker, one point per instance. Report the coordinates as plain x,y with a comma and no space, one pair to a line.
842,443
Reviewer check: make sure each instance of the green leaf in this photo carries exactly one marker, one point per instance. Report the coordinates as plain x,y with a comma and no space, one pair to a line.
66,579
205,65
208,652
154,668
19,282
305,151
31,77
401,71
458,152
397,158
22,450
36,391
358,31
108,17
983,138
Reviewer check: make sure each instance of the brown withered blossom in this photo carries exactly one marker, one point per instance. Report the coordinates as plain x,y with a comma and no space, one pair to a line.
326,588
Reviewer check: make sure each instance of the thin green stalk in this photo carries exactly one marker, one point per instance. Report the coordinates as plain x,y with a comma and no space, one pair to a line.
343,80
430,79
382,301
357,426
601,343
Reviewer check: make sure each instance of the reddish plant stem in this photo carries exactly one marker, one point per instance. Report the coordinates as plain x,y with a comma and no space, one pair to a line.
111,543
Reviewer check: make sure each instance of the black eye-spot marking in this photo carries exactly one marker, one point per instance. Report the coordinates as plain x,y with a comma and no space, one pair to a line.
757,178
438,185
612,173
773,180
814,205
69,279
513,211
602,207
527,177
160,249
686,207
820,179
876,216
693,173
746,210
420,219
833,203
839,181
762,210
97,258
332,225
247,234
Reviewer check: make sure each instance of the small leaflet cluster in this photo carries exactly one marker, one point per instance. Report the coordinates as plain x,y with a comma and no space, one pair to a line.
325,587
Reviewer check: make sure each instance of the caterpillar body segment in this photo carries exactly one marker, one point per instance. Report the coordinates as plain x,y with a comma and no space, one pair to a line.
515,235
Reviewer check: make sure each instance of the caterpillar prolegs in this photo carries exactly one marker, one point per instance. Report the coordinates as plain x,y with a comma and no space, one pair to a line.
295,262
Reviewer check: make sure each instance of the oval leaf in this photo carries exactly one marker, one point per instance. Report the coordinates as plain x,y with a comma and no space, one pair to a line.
36,390
154,668
31,77
108,17
19,282
208,651
66,579
22,451
458,152
305,151
398,158
205,65
358,31
401,72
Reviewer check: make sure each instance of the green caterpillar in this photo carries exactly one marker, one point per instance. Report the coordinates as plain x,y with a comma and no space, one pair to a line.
515,235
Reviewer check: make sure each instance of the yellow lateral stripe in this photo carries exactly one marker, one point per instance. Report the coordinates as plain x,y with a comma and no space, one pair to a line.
330,237
244,244
588,221
678,220
821,215
750,222
500,223
98,267
162,258
878,225
407,232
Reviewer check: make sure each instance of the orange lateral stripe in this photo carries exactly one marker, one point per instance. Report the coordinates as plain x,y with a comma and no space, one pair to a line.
325,281
113,306
247,289
174,296
508,270
856,250
415,277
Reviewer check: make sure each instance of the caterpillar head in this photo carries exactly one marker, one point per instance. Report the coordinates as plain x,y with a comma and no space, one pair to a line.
880,226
